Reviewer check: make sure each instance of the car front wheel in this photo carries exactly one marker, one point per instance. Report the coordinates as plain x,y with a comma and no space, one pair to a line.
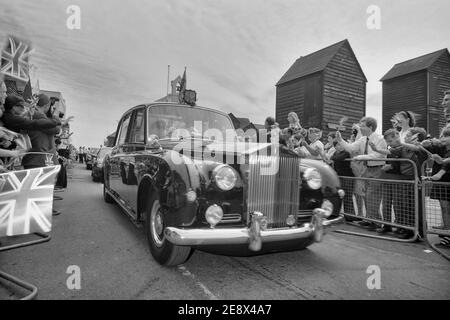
164,252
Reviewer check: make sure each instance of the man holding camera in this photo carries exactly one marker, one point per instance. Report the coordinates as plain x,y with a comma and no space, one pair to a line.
372,162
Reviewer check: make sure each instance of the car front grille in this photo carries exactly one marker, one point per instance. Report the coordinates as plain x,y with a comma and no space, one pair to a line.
231,218
274,188
304,216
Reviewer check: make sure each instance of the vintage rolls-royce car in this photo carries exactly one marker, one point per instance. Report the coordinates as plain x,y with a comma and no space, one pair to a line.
182,172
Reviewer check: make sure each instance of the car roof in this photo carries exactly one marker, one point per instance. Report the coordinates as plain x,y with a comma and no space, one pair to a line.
153,104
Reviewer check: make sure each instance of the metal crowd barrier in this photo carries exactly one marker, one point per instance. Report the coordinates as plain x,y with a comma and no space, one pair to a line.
15,163
391,200
11,183
436,209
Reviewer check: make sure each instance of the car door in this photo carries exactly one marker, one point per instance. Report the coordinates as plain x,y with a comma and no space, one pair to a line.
134,154
118,171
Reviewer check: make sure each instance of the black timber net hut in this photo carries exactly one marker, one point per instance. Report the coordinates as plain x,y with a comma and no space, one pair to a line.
418,85
323,88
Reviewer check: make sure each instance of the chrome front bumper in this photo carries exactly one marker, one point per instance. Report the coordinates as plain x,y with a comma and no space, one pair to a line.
255,237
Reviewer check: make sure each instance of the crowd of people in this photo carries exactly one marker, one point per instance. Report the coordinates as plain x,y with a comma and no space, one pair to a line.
370,154
81,154
31,130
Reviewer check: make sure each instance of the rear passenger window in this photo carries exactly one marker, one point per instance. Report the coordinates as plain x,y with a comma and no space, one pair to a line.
138,128
124,129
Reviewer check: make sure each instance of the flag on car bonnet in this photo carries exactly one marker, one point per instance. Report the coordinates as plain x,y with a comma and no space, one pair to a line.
182,87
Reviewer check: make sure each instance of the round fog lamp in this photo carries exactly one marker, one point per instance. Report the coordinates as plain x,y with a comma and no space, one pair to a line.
214,215
263,223
328,207
290,221
191,196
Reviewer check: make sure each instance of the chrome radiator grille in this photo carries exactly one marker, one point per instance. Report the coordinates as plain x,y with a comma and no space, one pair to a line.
274,188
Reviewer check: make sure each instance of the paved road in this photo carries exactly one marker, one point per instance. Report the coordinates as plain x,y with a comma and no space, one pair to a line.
115,263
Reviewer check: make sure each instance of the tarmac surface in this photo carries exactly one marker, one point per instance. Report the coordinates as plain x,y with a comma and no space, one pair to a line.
115,263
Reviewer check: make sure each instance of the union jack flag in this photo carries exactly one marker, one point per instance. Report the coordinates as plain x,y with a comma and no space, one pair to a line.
11,87
182,88
26,201
14,59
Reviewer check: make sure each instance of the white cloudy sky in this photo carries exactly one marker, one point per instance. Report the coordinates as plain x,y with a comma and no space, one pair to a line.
235,50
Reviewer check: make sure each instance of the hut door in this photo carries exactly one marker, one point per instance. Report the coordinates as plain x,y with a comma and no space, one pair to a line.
313,113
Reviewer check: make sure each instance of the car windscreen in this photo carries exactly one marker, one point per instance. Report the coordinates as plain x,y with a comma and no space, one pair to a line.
103,152
177,122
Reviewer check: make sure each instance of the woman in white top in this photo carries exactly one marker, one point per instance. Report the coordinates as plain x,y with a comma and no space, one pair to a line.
316,149
405,120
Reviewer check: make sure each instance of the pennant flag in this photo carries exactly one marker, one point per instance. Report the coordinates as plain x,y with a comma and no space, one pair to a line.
28,92
14,59
182,87
26,201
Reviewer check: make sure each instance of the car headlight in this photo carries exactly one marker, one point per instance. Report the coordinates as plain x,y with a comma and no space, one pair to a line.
225,177
313,178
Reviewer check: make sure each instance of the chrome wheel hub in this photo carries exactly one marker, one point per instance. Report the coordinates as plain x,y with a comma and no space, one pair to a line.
157,224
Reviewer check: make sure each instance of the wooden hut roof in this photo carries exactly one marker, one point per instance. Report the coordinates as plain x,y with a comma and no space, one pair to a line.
315,62
417,64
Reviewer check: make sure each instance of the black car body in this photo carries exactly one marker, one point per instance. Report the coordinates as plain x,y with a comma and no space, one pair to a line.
192,189
90,158
97,164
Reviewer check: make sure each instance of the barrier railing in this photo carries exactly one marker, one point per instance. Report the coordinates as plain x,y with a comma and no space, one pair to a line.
436,210
15,163
31,191
390,200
